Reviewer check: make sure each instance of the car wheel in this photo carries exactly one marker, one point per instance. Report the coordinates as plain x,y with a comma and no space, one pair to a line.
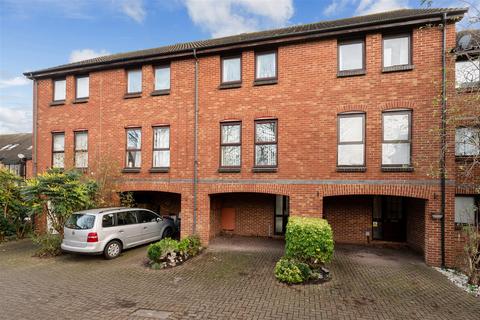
112,250
167,233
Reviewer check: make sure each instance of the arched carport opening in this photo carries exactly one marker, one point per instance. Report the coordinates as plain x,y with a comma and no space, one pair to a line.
366,219
248,214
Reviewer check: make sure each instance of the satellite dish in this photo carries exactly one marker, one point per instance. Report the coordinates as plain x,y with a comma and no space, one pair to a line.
464,41
21,156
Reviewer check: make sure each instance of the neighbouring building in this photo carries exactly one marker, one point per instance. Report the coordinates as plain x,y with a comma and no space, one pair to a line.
335,119
16,153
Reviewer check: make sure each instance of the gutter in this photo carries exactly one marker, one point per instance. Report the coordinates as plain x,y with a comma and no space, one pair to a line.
195,147
443,132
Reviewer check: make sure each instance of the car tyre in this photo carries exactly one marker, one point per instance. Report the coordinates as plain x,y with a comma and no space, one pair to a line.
167,233
112,250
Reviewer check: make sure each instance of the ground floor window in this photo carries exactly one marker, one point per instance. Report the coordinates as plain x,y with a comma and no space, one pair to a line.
466,210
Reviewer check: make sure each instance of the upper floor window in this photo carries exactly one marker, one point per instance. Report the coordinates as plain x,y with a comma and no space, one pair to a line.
467,73
134,148
161,147
396,51
467,141
81,149
59,90
134,81
266,65
58,150
351,139
162,78
82,87
230,144
396,144
466,210
266,143
351,56
231,70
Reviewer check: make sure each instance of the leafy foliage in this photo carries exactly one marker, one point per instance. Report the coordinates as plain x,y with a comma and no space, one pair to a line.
292,271
169,249
158,251
60,193
189,246
472,253
49,245
309,240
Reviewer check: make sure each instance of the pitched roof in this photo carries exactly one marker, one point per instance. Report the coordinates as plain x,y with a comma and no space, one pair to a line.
13,144
318,27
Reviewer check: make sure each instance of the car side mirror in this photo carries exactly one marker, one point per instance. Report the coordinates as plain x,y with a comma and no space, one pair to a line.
159,219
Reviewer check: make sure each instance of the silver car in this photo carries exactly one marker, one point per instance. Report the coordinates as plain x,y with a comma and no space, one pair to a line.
110,230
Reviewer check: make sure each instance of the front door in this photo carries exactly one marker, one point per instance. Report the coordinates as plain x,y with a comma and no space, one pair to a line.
228,219
389,223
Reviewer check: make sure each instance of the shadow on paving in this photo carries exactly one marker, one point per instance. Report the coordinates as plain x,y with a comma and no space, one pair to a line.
233,279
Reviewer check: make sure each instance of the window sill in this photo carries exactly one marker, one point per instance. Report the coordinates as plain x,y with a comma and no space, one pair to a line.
131,170
159,170
259,170
82,100
397,169
231,85
165,92
132,95
229,170
352,169
468,88
405,67
82,170
57,103
351,73
265,82
465,158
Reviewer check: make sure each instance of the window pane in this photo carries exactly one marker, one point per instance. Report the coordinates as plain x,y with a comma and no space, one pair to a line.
59,160
134,139
126,217
134,159
265,131
83,87
60,90
396,153
161,159
58,142
231,133
465,210
395,127
107,220
278,224
162,78
161,138
396,51
266,155
351,56
351,129
145,216
230,156
350,154
467,73
266,65
81,141
467,141
81,159
134,81
231,70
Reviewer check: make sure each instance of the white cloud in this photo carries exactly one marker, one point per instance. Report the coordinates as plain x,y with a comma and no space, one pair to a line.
374,6
13,82
134,9
336,6
85,54
15,120
228,17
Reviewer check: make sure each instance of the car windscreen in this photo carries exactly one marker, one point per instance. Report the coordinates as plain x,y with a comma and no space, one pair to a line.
80,221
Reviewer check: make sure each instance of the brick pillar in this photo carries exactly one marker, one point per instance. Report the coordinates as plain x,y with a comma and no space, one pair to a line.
203,217
432,232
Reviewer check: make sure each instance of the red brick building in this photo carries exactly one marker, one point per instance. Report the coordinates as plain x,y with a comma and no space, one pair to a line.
333,119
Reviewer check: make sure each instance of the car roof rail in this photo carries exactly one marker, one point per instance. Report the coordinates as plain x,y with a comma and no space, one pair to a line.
112,209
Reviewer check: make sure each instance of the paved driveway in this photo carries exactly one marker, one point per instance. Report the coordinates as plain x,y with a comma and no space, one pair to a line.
232,280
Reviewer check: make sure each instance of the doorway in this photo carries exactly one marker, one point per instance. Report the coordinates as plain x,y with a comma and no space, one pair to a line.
389,223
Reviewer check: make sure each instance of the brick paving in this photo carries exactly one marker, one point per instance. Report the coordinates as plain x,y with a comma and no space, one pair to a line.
233,279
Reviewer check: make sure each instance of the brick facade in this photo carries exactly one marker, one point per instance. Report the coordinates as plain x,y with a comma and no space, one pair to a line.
305,101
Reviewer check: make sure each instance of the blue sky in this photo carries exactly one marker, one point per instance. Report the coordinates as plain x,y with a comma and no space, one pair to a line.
35,34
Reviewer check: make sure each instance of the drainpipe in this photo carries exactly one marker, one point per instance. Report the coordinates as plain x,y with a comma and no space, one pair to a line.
195,147
443,133
35,115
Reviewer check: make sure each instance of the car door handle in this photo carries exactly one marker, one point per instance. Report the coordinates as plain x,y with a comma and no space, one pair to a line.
144,227
121,231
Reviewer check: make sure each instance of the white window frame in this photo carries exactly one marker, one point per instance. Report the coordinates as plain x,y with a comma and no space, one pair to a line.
341,143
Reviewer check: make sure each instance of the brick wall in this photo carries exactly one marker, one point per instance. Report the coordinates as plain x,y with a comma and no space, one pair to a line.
415,214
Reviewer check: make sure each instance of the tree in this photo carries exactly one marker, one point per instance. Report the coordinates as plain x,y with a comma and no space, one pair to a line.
58,194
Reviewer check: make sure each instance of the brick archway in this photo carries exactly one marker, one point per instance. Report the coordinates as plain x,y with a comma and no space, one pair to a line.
411,191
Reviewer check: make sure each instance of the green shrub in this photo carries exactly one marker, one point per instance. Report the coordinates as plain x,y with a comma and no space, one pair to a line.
291,271
309,240
159,250
189,246
49,245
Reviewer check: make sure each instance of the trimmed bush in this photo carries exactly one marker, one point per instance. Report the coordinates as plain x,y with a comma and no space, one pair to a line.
189,246
291,271
49,245
158,251
169,253
309,240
